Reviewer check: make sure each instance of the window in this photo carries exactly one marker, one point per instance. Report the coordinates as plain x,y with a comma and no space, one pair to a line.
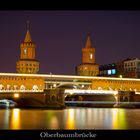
91,56
113,71
109,72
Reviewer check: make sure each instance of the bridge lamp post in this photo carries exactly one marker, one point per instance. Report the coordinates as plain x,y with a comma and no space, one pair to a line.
121,80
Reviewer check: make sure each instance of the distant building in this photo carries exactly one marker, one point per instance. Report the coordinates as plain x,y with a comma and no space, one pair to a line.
132,68
108,70
120,68
27,62
88,66
127,68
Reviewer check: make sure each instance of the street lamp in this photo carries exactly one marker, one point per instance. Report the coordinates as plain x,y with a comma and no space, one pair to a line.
120,76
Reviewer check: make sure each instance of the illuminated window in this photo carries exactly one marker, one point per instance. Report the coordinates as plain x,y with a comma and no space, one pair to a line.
91,56
109,72
25,51
113,71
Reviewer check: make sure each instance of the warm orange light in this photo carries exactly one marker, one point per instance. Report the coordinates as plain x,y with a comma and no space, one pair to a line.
67,76
16,95
120,76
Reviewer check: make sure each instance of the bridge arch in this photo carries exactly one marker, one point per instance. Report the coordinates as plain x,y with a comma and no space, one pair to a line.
1,87
35,87
69,86
16,87
22,87
8,87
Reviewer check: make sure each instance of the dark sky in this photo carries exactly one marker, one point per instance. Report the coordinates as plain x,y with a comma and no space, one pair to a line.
60,37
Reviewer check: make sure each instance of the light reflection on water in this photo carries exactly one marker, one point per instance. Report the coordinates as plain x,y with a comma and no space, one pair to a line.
70,118
15,119
119,119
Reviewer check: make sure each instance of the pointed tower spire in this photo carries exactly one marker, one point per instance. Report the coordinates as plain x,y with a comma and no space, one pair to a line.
88,42
28,37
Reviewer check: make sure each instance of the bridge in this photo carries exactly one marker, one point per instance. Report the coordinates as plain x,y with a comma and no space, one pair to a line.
34,82
32,86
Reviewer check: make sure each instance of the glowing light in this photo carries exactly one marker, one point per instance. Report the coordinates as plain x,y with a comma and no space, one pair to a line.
120,76
115,93
54,122
118,119
109,72
80,91
137,92
16,95
64,78
67,77
91,56
15,119
25,51
82,86
54,85
5,91
70,119
71,92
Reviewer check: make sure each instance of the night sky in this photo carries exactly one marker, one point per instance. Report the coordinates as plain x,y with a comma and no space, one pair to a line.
60,37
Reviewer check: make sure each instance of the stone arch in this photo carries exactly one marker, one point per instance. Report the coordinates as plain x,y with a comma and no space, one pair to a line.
8,87
125,99
53,98
22,87
16,87
35,87
68,86
1,87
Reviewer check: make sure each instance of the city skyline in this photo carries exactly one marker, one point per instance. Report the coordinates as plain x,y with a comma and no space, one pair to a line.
61,35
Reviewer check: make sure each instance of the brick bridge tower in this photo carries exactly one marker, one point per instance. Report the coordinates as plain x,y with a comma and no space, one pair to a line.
27,62
88,66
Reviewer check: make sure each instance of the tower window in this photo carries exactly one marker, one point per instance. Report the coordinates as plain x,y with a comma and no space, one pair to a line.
91,56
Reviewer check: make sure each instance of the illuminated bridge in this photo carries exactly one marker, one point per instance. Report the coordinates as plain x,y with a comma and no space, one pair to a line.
35,84
10,82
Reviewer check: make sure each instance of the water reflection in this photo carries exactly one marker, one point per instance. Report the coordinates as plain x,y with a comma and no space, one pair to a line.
15,119
70,121
70,118
119,119
54,122
6,118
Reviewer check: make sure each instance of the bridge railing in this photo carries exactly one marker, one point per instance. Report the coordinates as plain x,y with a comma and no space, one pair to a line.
5,91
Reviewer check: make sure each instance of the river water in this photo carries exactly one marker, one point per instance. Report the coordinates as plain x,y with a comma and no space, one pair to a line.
70,118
